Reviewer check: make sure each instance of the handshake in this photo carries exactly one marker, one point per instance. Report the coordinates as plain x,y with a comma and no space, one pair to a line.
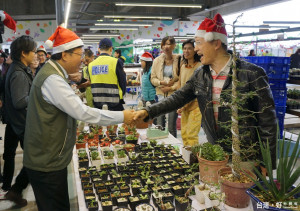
133,117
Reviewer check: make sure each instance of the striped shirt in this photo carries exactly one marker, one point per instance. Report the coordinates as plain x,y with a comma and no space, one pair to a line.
217,85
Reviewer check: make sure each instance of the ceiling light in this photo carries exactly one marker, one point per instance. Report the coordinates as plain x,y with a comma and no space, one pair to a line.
67,13
112,28
262,26
100,35
183,37
116,20
281,22
138,17
122,24
158,5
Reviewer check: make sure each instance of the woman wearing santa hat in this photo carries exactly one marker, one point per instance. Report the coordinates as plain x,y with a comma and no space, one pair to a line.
148,90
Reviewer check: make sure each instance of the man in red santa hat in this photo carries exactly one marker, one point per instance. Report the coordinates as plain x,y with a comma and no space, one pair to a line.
211,85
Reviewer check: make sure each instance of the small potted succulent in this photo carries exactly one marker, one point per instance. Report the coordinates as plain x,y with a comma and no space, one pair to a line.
211,159
107,205
182,203
133,201
92,205
122,201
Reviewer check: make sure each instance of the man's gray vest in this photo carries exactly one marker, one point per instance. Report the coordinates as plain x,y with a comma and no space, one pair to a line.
50,133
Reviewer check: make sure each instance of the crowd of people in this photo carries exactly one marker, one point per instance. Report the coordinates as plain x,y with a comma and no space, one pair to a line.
191,84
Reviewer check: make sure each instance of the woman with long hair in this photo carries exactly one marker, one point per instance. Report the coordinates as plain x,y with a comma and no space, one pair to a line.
164,77
190,113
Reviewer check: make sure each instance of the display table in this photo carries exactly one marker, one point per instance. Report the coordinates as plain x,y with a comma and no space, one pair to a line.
171,140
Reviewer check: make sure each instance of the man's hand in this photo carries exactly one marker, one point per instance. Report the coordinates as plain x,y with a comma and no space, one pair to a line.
140,115
128,116
84,85
76,77
179,111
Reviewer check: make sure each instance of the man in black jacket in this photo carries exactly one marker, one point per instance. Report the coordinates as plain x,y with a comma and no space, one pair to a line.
295,59
17,87
211,84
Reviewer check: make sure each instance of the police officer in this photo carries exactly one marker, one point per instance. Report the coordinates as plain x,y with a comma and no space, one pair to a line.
108,80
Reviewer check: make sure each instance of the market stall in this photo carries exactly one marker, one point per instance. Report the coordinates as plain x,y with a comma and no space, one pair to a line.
165,157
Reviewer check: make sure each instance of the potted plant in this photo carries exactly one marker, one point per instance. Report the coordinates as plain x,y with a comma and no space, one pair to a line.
122,201
121,156
133,201
108,157
182,203
92,205
131,139
267,193
211,158
144,198
80,143
168,205
129,147
106,205
144,207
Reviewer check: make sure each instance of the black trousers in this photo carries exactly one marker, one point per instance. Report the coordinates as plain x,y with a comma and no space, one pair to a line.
11,140
50,189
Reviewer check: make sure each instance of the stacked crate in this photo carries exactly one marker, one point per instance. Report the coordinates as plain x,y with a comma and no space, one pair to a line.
277,69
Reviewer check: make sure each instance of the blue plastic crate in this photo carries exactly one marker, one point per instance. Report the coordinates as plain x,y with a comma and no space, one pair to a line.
281,125
277,83
277,71
279,96
280,60
248,58
280,111
264,59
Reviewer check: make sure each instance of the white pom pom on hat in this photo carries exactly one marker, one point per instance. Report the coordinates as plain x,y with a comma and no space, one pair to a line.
209,36
49,43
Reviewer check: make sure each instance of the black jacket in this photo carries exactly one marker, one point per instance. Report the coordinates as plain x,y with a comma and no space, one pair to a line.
261,106
17,87
295,60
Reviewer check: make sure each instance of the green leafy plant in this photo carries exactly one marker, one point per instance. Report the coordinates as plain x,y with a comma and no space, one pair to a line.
212,152
121,153
278,189
95,155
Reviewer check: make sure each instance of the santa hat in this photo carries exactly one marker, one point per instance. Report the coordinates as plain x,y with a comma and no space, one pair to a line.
8,21
147,57
41,48
63,39
213,29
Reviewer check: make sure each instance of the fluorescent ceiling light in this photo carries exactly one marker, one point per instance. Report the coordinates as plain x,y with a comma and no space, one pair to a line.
262,26
67,13
183,37
158,5
99,35
281,22
139,17
112,28
122,24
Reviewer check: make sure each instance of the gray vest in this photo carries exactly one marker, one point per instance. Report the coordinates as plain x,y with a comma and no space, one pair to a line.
50,133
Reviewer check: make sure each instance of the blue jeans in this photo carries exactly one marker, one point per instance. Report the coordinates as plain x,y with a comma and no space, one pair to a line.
172,118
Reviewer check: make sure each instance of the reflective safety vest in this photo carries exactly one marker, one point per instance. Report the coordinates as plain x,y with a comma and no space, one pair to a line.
104,82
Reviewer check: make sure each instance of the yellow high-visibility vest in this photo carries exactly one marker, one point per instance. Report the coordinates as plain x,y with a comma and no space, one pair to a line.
104,81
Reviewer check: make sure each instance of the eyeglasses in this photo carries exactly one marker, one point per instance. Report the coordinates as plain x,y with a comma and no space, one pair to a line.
82,55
